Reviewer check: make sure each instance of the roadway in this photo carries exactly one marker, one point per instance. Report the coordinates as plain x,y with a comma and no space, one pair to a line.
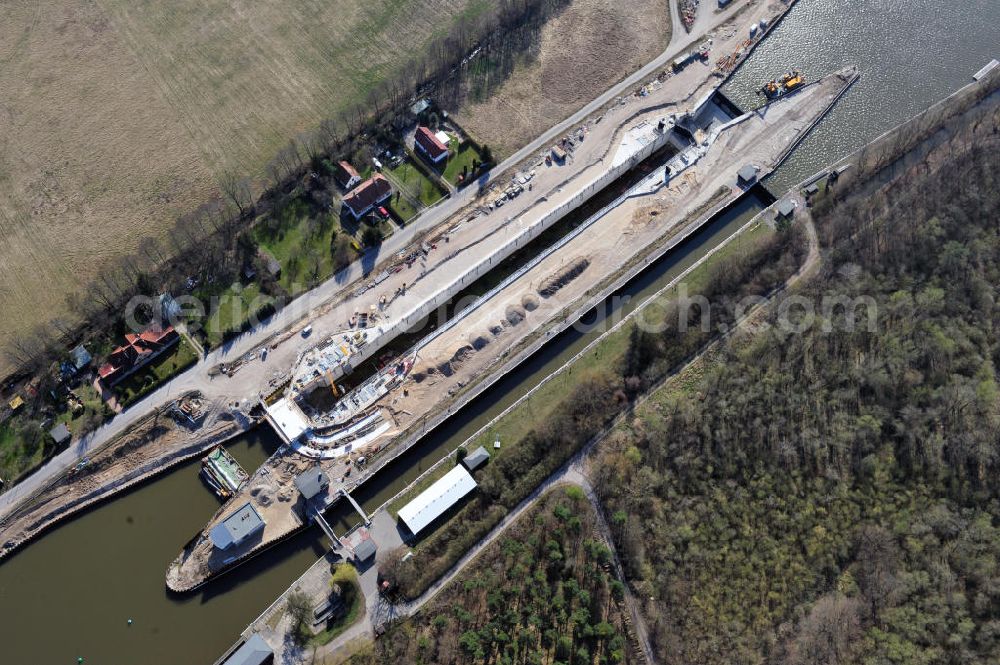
200,376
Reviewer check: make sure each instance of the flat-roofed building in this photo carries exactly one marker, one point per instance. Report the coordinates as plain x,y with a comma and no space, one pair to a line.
437,499
254,651
237,528
747,175
786,209
365,550
312,482
476,459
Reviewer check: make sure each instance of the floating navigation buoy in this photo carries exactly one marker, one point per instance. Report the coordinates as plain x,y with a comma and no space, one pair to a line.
79,659
130,622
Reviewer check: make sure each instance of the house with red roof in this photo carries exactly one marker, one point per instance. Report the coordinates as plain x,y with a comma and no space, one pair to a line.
137,352
429,144
365,197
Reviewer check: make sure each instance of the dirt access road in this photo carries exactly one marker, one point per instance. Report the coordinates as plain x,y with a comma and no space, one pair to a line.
200,377
490,335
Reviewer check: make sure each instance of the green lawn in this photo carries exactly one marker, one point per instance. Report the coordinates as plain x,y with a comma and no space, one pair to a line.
92,404
150,377
416,183
401,208
461,157
301,243
15,454
230,309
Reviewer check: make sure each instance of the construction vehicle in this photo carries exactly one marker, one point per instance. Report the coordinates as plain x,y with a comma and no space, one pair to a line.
333,384
777,87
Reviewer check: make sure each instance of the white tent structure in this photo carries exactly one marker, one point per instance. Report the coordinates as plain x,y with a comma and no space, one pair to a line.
436,499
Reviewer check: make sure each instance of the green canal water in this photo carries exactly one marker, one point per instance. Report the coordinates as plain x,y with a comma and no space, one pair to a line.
71,592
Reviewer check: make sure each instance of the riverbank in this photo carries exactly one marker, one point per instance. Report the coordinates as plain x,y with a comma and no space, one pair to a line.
153,446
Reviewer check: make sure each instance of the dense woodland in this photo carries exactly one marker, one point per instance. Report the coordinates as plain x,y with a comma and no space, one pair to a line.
542,593
831,497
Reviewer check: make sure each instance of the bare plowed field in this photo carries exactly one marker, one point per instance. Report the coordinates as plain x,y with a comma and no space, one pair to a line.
116,115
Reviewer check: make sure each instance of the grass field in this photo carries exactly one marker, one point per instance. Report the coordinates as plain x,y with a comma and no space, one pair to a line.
230,309
15,454
462,157
301,242
416,183
117,115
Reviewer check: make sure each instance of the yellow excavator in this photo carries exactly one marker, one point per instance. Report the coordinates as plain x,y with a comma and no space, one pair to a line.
787,83
333,384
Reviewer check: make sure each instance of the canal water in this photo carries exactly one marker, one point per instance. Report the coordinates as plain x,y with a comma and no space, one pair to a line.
910,54
71,593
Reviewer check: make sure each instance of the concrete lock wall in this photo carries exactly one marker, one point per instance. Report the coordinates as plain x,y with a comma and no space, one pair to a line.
384,335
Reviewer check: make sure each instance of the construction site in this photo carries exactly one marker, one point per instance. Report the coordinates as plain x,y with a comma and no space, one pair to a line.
694,154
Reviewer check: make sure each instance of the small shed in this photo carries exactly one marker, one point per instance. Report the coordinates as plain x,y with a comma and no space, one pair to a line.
558,154
476,459
786,209
365,550
812,190
420,106
747,174
254,651
312,482
270,263
60,434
